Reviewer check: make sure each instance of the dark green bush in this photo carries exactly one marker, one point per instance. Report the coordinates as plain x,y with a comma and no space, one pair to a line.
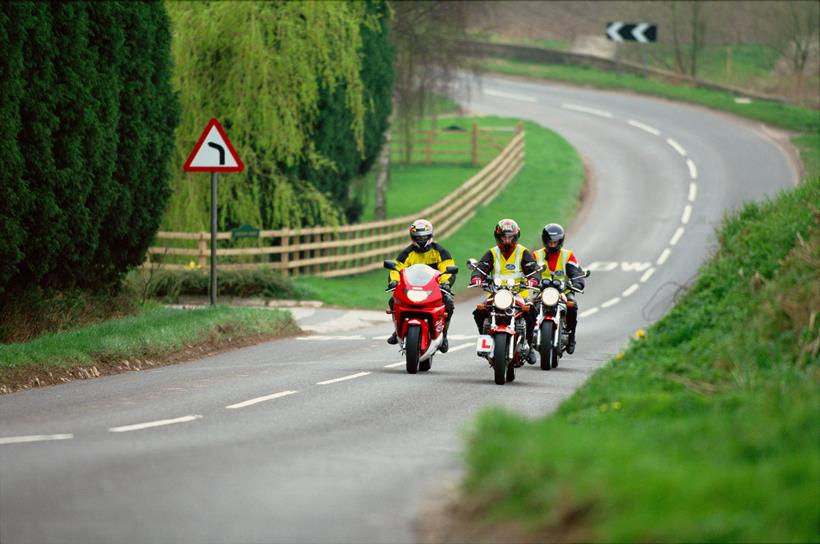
169,286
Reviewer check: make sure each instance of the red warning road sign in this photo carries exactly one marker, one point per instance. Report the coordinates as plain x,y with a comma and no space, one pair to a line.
214,152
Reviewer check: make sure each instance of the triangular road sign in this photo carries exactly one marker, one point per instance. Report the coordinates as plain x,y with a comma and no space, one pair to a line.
213,152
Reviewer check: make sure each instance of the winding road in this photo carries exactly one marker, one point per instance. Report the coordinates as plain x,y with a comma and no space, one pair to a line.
325,438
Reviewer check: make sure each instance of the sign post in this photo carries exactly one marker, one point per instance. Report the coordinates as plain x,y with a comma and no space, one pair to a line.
213,153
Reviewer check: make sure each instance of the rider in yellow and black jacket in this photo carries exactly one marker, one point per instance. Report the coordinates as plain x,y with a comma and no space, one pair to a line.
423,250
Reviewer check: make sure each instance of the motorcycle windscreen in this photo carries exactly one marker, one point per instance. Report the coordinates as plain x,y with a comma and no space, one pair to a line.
419,275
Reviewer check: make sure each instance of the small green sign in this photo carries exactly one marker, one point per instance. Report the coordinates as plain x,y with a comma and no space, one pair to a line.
245,231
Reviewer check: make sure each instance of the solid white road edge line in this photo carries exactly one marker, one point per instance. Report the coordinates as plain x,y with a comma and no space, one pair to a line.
584,109
462,346
677,146
511,96
664,255
343,378
693,191
589,312
631,289
260,399
676,237
611,302
34,438
645,128
693,171
160,423
687,213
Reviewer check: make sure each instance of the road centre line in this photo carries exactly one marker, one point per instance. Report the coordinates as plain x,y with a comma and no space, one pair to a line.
676,236
687,213
321,338
631,289
385,337
394,365
34,438
511,96
584,109
350,377
645,128
677,146
160,423
693,171
611,302
693,191
647,275
260,399
664,255
589,312
462,346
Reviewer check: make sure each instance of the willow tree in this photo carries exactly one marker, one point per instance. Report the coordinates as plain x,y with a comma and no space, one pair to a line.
260,67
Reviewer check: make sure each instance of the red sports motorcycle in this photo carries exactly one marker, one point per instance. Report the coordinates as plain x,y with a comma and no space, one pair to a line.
419,313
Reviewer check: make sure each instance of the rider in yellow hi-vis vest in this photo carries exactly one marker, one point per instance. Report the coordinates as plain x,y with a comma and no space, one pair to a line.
423,250
561,264
506,259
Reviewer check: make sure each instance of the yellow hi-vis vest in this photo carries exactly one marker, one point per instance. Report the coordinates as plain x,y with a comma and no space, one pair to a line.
560,266
509,268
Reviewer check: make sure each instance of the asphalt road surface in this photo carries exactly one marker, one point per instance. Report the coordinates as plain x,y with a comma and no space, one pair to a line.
326,438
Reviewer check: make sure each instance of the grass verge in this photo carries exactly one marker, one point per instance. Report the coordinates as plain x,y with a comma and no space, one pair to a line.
706,430
545,190
156,336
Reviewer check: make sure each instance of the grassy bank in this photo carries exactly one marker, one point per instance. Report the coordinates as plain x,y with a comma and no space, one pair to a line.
152,335
705,431
774,113
549,184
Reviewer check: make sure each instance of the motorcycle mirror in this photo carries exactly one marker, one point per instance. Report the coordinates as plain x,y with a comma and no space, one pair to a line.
472,263
587,273
390,265
452,269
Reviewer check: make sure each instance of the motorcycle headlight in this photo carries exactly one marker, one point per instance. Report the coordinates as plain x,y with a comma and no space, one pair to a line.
417,296
550,296
503,300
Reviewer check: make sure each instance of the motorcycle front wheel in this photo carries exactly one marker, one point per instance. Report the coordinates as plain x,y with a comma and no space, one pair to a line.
545,348
412,347
500,358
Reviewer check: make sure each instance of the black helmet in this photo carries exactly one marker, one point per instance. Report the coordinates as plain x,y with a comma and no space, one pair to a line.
506,234
553,233
421,233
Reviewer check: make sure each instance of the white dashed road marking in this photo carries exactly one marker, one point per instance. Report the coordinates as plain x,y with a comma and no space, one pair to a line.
676,146
693,171
663,257
260,399
693,192
645,128
676,236
631,289
589,312
394,365
329,338
511,96
34,438
351,377
611,302
462,346
150,424
584,109
687,213
647,275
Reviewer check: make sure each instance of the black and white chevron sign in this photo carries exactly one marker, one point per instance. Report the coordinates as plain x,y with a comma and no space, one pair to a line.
638,32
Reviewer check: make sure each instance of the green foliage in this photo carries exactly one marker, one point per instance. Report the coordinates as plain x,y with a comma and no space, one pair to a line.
169,286
88,114
286,80
707,429
552,176
153,332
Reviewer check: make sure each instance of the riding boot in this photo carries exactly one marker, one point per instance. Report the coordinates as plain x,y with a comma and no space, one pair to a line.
394,339
445,345
571,342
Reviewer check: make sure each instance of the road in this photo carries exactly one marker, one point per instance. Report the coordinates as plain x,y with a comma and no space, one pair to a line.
326,438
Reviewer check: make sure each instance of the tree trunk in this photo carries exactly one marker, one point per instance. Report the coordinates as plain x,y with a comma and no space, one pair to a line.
382,178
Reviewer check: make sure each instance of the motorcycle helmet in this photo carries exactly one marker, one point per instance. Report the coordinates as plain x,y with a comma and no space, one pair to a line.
506,234
421,234
553,233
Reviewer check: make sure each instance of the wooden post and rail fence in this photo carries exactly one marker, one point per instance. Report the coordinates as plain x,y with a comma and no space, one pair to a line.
348,249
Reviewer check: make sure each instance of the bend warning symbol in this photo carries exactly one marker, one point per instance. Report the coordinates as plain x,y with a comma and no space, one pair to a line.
213,152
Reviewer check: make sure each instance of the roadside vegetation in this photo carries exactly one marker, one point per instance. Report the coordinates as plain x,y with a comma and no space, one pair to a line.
142,340
705,430
552,176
